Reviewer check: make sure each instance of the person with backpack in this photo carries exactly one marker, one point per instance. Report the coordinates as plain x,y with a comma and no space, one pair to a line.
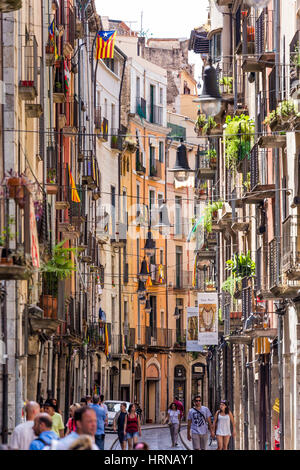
222,421
199,421
42,428
119,424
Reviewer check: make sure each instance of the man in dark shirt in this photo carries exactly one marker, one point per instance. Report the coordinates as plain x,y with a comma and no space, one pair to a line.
119,422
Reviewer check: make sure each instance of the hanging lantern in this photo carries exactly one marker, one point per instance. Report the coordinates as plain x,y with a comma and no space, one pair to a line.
148,307
144,274
142,300
181,170
150,245
141,288
210,99
164,219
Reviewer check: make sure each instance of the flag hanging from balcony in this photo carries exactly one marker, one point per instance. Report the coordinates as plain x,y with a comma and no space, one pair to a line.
75,195
52,41
105,44
106,342
67,75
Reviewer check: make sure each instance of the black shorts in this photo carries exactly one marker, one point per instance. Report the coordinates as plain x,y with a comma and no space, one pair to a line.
121,437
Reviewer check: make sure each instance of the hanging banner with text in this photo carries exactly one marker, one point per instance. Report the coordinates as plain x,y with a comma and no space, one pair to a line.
208,319
192,331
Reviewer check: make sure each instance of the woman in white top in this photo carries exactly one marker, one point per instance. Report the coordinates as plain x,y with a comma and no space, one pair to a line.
223,419
174,420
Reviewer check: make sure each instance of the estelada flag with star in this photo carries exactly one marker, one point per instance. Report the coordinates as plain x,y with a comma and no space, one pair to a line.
75,195
105,44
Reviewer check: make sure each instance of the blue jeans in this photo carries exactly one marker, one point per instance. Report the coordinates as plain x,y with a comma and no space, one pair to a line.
99,440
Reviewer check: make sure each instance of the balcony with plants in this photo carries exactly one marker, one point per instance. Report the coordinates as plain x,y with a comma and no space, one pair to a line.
284,118
60,87
295,66
239,139
116,141
242,270
206,163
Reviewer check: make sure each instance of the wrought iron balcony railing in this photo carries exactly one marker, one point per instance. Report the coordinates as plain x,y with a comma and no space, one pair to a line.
291,247
28,85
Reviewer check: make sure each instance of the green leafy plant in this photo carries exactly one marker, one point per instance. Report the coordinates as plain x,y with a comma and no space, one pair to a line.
212,154
247,183
227,83
210,124
239,137
6,233
284,111
60,266
208,214
241,265
296,55
200,123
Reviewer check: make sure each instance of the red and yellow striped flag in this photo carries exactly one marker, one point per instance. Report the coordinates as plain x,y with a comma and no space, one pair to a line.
105,44
75,195
106,352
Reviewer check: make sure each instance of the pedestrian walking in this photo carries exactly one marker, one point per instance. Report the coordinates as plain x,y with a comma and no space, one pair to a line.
57,422
119,425
23,434
132,427
89,400
71,421
42,428
199,420
174,420
105,407
86,423
83,402
222,421
139,412
180,406
101,416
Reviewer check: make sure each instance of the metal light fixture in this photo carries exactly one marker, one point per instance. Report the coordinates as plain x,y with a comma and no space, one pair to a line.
144,274
142,300
257,3
141,288
150,245
165,222
181,170
148,307
210,99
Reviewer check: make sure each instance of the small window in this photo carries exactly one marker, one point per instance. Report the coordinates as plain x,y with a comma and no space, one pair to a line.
161,152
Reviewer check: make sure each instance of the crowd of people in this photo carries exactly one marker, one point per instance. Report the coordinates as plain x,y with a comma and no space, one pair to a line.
85,428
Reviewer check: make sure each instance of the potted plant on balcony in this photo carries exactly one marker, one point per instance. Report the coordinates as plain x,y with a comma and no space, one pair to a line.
59,267
203,189
226,84
52,187
212,156
16,187
247,183
131,144
210,286
210,212
6,236
241,266
200,123
209,126
239,137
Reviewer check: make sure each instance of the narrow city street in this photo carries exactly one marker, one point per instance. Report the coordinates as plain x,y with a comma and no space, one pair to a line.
157,438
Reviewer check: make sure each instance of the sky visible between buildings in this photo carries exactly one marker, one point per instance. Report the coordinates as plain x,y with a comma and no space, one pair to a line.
160,18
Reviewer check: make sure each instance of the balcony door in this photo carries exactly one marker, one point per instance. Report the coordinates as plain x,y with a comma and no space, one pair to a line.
152,102
178,266
153,316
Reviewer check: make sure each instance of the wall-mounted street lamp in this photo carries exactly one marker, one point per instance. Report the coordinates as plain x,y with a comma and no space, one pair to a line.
210,99
181,170
144,274
148,307
150,246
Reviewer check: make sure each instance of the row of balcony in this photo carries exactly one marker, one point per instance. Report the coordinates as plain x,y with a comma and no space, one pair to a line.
152,113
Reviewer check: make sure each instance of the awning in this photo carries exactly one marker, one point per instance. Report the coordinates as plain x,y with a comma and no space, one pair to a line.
199,43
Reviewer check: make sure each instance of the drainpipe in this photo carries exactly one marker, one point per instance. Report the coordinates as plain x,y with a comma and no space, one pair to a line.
40,371
49,375
245,400
277,228
4,371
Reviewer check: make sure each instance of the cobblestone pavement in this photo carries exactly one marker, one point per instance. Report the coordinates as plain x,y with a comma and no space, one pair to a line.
157,439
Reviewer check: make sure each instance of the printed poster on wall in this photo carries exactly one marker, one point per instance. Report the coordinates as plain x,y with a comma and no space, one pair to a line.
192,344
208,319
